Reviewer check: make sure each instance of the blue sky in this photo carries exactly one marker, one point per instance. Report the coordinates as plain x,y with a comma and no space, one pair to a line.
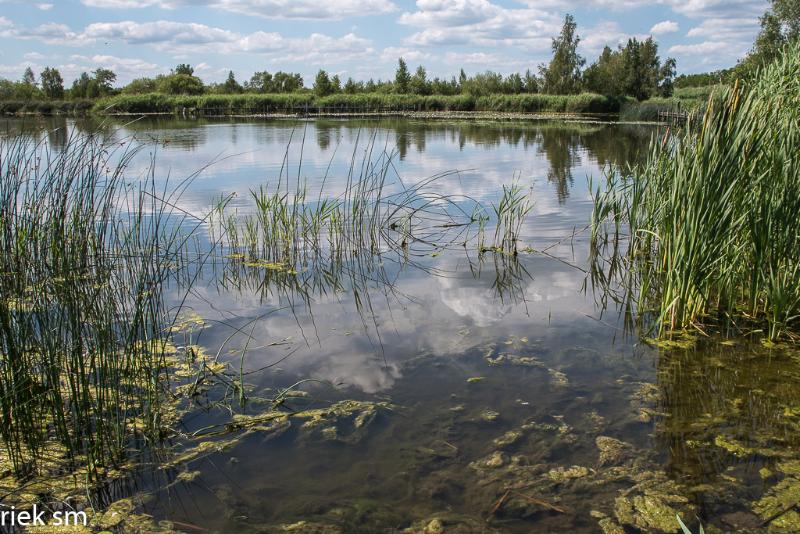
358,38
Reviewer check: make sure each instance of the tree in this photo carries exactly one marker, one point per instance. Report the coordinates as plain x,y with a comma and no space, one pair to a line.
351,87
563,74
52,83
634,70
402,78
140,86
419,82
83,87
28,77
184,68
336,84
231,86
286,82
531,82
322,84
179,84
779,25
104,78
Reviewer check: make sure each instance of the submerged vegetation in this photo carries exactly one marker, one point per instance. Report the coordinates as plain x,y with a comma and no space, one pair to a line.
713,213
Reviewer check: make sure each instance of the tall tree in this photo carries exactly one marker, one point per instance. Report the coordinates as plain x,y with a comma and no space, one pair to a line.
183,68
52,83
231,86
322,84
563,74
104,78
779,25
28,77
419,82
402,78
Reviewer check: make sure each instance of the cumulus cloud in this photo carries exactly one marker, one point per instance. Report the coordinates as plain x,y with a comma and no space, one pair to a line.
665,26
479,22
277,9
179,38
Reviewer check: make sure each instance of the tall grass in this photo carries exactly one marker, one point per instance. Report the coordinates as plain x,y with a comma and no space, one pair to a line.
253,104
713,214
83,325
288,229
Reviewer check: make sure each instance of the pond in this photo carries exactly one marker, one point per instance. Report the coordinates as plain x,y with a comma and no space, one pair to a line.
449,389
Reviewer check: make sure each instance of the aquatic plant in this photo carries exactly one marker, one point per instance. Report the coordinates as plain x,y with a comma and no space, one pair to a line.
712,215
308,103
83,326
288,231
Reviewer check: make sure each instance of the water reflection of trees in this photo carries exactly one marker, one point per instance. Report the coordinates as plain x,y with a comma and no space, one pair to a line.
562,143
565,145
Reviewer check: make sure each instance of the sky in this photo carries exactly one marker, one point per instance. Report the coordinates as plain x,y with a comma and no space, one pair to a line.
355,38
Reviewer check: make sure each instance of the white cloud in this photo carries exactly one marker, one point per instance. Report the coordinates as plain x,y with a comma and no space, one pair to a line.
479,22
185,39
604,34
665,26
5,23
275,9
44,7
34,56
392,53
706,47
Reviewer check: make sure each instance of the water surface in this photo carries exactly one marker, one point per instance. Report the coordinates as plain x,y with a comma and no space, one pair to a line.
500,393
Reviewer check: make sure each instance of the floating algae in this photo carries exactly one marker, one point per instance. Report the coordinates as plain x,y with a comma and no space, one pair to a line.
513,359
561,474
652,504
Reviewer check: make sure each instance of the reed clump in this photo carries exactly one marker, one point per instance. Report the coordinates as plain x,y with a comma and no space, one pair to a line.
83,324
713,214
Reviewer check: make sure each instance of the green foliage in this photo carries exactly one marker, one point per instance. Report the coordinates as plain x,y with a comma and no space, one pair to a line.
322,84
52,83
713,213
702,79
364,102
419,82
98,85
183,68
633,70
402,78
231,86
563,74
179,84
83,327
280,82
140,86
780,25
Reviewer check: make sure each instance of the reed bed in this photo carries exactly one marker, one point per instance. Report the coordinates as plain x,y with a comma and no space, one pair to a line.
308,103
713,214
288,229
83,324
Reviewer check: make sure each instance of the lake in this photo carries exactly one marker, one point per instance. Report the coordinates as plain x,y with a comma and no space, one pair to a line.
443,388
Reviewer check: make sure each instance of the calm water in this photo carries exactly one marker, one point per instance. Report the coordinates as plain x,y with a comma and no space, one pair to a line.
498,382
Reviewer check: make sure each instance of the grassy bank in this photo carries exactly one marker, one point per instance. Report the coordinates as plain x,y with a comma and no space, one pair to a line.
683,100
46,107
249,104
714,234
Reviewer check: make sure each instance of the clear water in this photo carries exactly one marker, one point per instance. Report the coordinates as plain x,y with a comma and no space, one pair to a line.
463,348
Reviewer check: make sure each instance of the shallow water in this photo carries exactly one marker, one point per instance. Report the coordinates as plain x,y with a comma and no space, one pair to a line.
496,375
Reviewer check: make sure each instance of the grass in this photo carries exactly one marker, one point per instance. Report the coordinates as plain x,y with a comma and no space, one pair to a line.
712,215
83,326
250,104
287,229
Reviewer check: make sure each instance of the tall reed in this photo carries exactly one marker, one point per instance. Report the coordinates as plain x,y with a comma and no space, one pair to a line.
83,324
713,214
